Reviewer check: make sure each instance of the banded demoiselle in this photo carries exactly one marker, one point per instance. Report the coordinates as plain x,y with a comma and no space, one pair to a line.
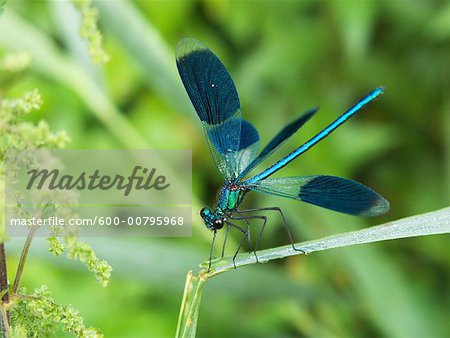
234,144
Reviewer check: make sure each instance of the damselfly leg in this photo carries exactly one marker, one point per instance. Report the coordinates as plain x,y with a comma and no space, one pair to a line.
286,226
246,219
228,224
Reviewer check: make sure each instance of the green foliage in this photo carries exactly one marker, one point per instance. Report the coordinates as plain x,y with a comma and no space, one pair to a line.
14,109
83,252
18,134
80,251
90,32
56,247
15,133
37,315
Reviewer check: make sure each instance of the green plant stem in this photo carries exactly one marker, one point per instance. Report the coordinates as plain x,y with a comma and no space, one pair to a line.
5,322
187,320
183,312
4,291
432,223
23,258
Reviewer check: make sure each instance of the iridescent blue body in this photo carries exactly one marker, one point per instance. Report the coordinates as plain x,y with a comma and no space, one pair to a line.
230,196
234,145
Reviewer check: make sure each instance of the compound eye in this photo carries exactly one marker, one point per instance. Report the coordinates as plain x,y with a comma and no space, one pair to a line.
204,212
218,224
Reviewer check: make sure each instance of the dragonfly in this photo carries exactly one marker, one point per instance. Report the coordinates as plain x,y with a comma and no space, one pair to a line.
234,143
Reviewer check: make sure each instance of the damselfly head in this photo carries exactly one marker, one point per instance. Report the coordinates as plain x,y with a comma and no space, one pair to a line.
205,212
211,219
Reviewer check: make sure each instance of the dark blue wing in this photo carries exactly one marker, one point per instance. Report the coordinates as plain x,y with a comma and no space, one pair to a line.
279,139
233,145
334,193
233,142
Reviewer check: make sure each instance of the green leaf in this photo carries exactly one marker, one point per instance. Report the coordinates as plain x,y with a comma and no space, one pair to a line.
432,223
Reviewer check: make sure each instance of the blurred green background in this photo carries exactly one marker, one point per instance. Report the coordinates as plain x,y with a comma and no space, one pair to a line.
285,57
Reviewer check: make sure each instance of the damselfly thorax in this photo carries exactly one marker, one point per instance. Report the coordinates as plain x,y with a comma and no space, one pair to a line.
229,198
